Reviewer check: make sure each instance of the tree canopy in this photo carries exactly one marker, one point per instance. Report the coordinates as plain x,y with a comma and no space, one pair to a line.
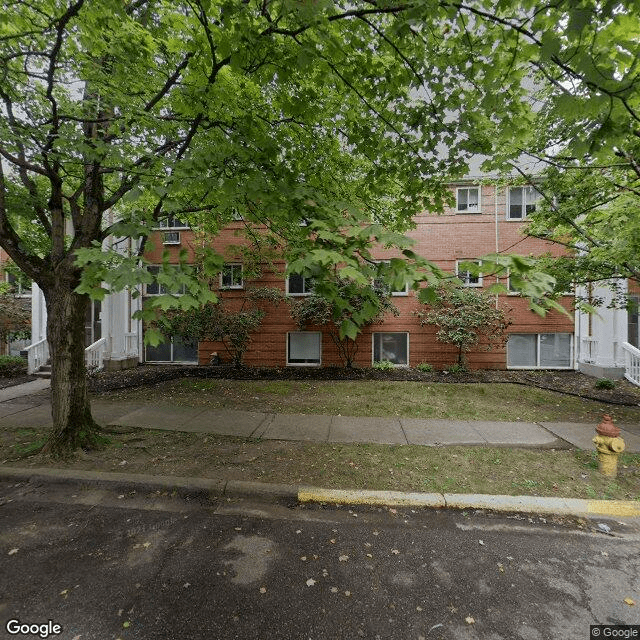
350,116
582,147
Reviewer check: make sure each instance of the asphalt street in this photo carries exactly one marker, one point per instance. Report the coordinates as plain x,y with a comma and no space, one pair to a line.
108,565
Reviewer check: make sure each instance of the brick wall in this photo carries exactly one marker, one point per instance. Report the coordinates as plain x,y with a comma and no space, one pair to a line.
442,239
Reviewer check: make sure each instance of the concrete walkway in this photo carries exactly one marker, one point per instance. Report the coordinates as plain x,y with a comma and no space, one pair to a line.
28,406
19,390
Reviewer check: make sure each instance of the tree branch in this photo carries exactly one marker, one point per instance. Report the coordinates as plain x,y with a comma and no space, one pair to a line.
31,264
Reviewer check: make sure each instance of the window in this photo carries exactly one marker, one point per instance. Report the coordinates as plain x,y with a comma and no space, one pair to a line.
231,276
379,283
393,347
512,291
468,200
540,351
171,237
172,223
468,279
175,349
522,202
157,289
303,347
298,285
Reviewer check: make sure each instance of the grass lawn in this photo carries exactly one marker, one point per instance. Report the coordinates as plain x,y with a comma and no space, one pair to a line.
502,402
511,471
550,472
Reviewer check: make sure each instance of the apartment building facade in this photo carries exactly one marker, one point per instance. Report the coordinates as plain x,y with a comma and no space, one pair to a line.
486,218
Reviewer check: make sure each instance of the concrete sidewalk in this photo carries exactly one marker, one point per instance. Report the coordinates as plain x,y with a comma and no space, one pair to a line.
28,406
346,429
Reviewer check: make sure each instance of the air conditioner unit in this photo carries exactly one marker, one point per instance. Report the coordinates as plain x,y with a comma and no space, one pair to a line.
171,237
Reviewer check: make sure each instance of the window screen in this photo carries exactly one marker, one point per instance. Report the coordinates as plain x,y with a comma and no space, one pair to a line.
521,350
303,348
555,350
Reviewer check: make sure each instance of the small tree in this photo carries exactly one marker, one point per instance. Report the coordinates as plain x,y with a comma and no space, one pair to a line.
463,316
358,305
217,322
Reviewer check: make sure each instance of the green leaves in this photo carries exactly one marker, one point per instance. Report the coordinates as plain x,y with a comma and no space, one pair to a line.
464,316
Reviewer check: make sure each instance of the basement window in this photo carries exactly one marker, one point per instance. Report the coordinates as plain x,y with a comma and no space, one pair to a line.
540,351
303,348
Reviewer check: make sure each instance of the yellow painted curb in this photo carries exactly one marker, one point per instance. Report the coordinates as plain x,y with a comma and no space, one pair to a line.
525,504
614,508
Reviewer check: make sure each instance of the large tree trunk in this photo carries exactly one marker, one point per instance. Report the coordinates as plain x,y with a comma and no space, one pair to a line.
73,424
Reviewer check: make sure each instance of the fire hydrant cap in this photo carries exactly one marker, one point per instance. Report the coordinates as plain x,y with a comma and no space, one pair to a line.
607,428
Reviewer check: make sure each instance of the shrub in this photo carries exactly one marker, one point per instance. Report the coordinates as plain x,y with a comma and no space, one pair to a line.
605,383
383,365
463,317
457,368
12,366
425,367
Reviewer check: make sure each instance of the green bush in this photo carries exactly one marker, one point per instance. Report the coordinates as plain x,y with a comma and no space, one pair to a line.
12,366
383,365
457,368
605,383
425,367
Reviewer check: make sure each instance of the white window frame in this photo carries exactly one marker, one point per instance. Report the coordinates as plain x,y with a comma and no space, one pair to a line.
510,291
161,288
382,333
171,241
233,266
525,190
304,364
467,210
465,281
171,223
379,284
538,365
307,288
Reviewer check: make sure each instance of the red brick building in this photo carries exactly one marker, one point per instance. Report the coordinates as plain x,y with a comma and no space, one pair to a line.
485,219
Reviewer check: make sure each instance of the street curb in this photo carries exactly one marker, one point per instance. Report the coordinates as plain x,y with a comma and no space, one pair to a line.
525,504
202,488
205,488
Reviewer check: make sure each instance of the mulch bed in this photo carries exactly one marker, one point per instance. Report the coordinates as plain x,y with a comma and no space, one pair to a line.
568,382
